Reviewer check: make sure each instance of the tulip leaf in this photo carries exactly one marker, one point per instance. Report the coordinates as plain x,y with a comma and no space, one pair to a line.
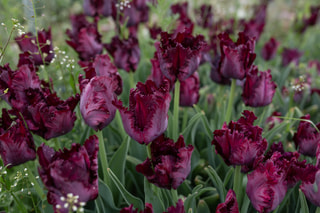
245,203
203,207
106,197
217,182
127,196
192,123
303,202
190,202
118,160
153,196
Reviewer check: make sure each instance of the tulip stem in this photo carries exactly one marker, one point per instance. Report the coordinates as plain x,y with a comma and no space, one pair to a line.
237,184
174,194
131,79
175,126
103,158
230,103
318,210
34,182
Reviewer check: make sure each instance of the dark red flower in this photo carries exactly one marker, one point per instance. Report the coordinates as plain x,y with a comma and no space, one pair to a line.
170,163
29,43
97,7
96,99
215,75
269,49
16,83
125,52
254,27
147,116
240,143
136,13
204,16
179,208
311,189
273,119
84,38
189,90
266,186
16,142
148,209
314,63
312,19
179,57
230,205
307,137
258,90
184,23
290,55
102,66
73,171
49,116
154,31
236,58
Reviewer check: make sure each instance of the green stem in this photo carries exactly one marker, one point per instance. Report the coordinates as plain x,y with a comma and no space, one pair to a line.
103,158
230,103
184,119
318,210
35,184
149,150
237,184
174,194
120,125
6,45
131,79
175,127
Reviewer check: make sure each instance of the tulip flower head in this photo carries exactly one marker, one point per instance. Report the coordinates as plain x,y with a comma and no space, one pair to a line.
230,205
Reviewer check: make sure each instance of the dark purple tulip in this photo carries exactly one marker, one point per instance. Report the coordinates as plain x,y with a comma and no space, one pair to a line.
273,119
314,63
230,205
215,75
154,31
147,116
137,13
96,99
84,38
125,53
204,16
269,49
236,58
170,163
189,90
16,142
102,66
17,83
290,55
184,23
28,43
258,89
70,171
311,189
312,19
179,208
266,186
179,57
240,143
26,58
181,9
148,209
97,7
51,117
307,137
253,29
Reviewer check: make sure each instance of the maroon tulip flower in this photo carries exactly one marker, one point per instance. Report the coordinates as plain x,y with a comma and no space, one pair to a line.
179,208
84,38
240,143
266,186
311,189
136,13
147,116
51,117
236,58
97,7
258,90
16,142
126,53
148,209
184,23
230,205
312,19
189,90
67,172
253,29
204,16
16,83
290,55
307,137
179,57
96,99
102,66
154,31
28,43
314,63
215,75
269,49
273,119
170,163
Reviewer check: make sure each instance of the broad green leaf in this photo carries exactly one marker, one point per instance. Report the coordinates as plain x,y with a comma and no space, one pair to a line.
303,202
106,196
203,207
190,202
153,196
217,182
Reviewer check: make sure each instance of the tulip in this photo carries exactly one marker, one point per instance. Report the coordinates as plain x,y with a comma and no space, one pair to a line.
240,143
179,208
189,90
311,189
70,174
230,205
148,209
269,49
29,43
204,16
259,90
16,142
170,163
147,116
290,55
97,7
